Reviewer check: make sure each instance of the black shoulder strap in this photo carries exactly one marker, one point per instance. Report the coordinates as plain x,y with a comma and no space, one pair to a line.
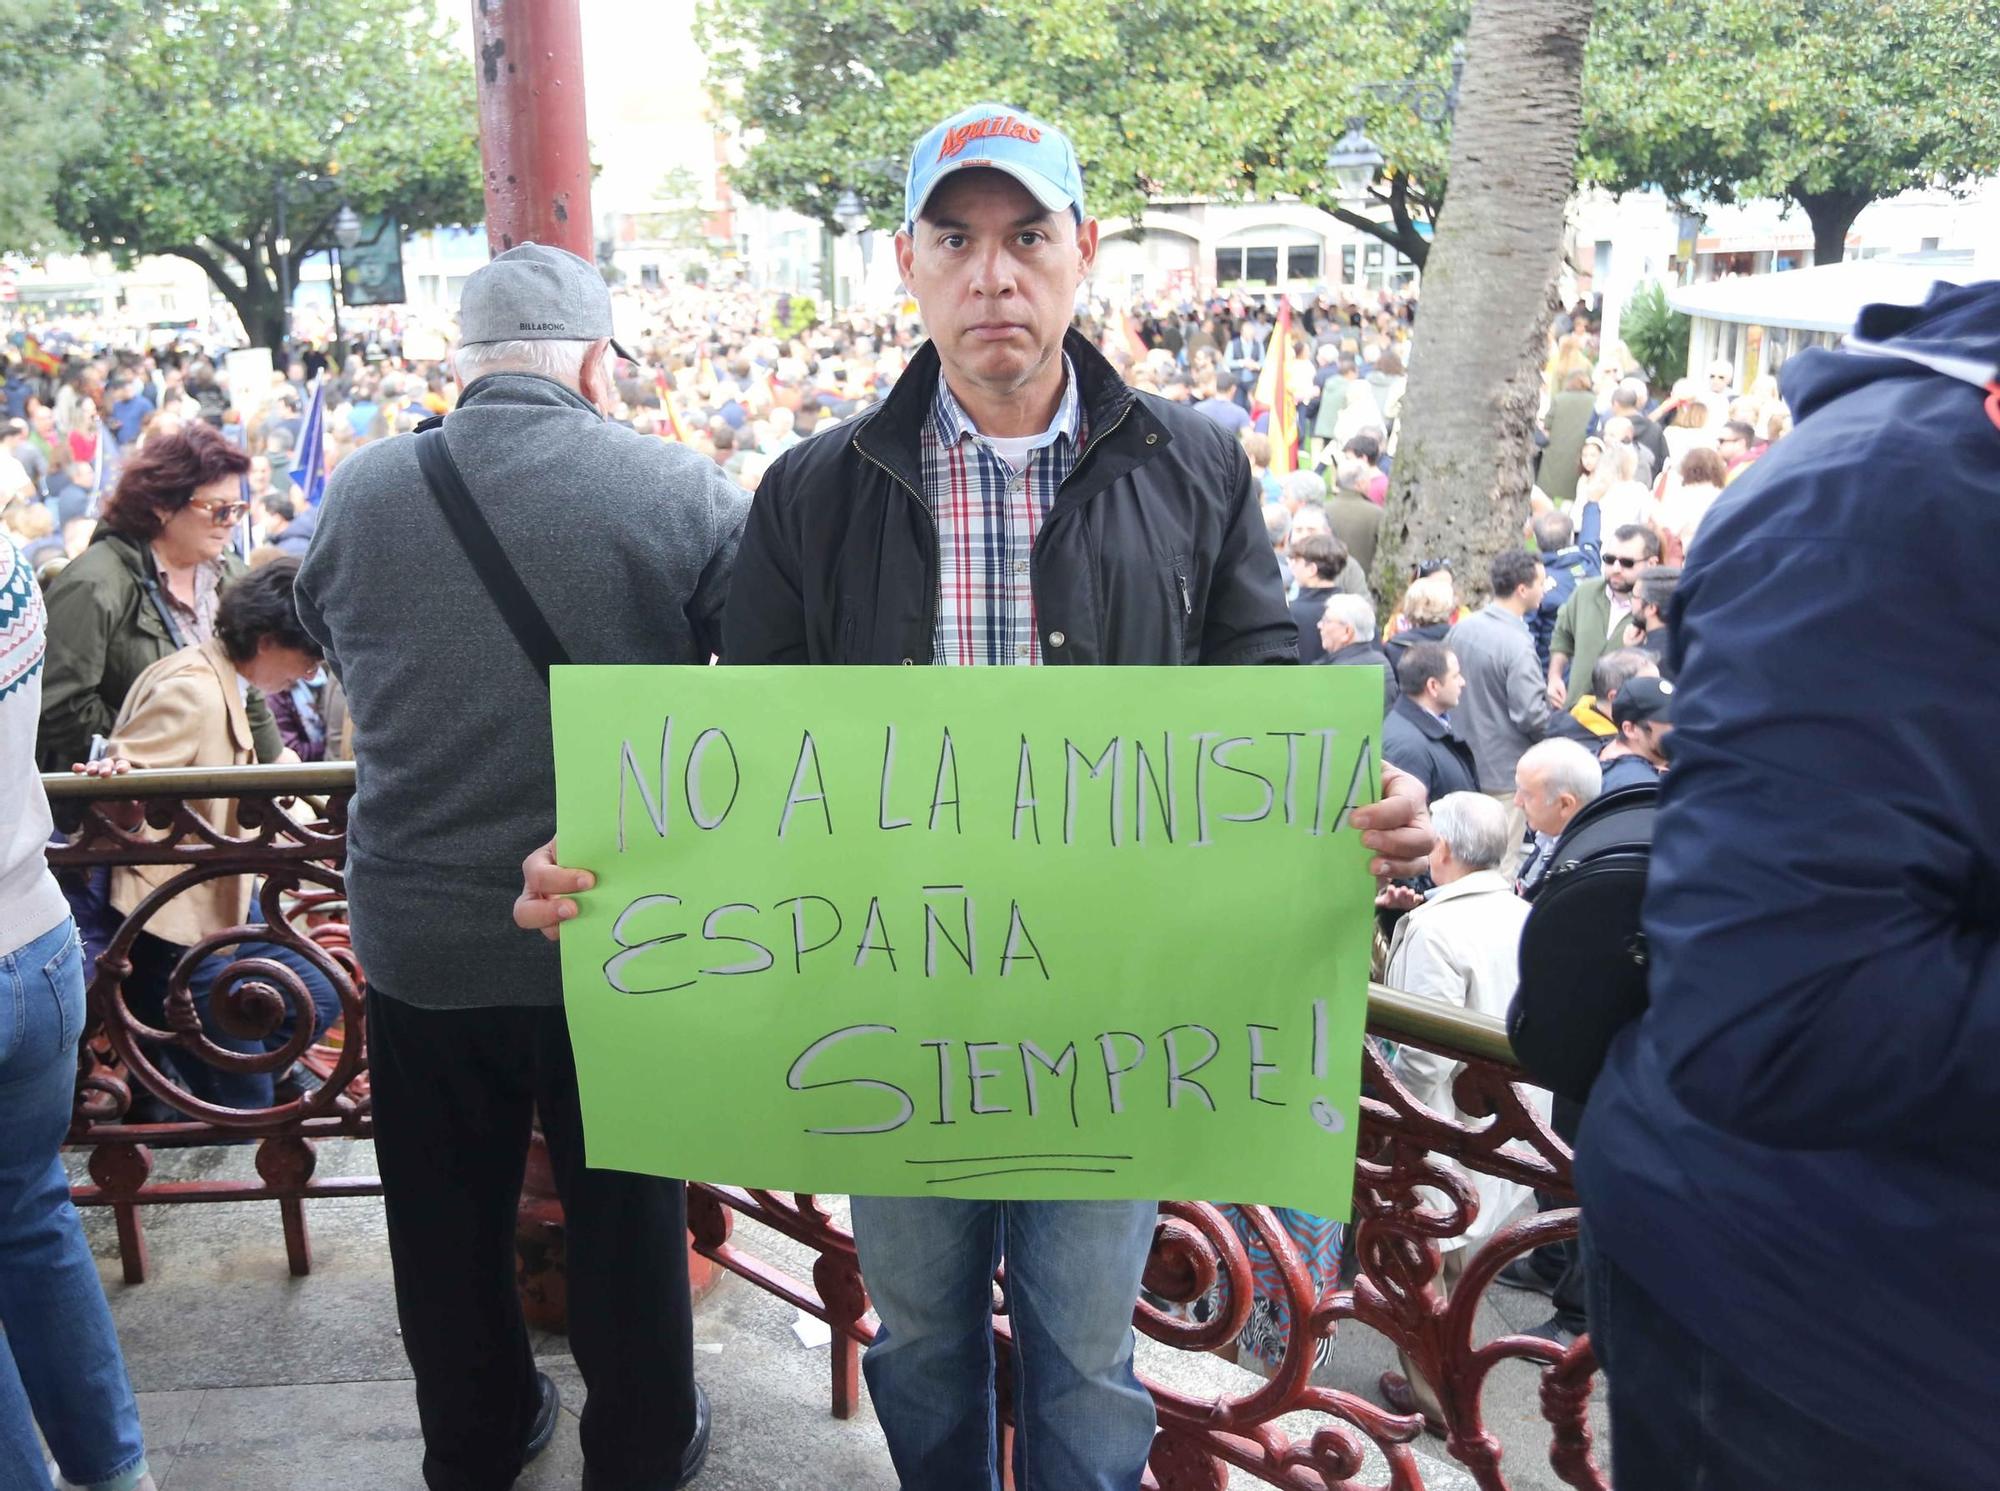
496,572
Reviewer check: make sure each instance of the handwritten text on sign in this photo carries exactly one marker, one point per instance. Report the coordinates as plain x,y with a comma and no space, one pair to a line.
1002,932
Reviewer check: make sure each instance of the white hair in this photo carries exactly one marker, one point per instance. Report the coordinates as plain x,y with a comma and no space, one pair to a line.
1356,613
1564,766
560,360
1635,391
1305,486
1474,826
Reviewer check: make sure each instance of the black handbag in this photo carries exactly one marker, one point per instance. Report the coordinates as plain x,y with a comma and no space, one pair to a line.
482,546
1583,951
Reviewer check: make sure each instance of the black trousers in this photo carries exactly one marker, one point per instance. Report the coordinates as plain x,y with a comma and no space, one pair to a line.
1563,1263
455,1092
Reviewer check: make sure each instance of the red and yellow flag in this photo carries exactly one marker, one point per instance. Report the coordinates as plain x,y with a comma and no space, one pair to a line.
676,427
1274,392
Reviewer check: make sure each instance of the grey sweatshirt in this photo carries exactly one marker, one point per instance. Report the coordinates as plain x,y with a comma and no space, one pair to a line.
626,543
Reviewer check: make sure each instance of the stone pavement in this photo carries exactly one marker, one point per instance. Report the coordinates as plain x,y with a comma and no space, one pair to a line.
251,1380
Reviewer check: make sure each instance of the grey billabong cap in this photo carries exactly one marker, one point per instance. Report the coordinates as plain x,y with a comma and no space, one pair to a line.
536,293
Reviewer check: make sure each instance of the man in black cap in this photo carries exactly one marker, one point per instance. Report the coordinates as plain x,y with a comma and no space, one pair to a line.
1643,714
466,1034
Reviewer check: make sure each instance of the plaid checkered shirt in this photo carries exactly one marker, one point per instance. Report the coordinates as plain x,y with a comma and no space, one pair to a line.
987,517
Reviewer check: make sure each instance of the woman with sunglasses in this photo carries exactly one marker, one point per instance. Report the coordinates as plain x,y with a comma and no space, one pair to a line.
144,588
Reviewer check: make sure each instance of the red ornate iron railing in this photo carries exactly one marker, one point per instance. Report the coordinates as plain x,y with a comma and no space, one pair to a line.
1406,1200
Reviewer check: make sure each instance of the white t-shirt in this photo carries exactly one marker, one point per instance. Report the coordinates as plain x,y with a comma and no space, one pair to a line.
1014,449
31,902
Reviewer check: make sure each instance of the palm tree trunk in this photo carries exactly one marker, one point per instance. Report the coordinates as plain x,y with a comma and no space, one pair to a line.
1462,464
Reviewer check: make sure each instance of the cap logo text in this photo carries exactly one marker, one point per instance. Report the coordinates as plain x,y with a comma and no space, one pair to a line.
544,326
1005,126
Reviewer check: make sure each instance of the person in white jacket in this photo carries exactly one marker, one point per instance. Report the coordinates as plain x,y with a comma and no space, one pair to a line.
1461,947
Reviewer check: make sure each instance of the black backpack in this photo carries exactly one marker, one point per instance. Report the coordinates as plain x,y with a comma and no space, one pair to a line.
1583,951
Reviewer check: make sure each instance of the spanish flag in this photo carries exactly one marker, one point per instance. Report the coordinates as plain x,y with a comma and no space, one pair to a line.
32,353
676,428
1274,392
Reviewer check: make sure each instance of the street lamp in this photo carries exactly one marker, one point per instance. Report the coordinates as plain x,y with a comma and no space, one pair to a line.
850,213
346,228
1353,162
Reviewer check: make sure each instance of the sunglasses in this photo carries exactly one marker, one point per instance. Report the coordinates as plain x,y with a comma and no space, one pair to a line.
221,514
1427,567
1623,563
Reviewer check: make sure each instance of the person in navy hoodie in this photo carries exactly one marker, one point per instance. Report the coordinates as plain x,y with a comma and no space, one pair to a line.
1790,1185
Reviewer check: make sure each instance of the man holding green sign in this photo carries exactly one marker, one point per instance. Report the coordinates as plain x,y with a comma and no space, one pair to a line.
966,947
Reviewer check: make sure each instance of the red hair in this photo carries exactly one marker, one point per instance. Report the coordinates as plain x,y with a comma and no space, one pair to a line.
162,477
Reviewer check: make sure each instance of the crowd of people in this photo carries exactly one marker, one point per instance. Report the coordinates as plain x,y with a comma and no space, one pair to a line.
233,574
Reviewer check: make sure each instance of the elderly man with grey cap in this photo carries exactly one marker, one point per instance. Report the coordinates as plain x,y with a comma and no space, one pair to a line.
620,547
1011,502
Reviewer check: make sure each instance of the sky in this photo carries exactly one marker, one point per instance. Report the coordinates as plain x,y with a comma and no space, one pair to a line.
642,76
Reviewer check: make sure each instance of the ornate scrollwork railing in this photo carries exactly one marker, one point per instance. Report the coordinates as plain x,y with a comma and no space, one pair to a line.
1410,1194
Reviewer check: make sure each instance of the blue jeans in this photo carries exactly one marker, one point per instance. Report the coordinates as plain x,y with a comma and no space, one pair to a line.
60,1366
153,961
1686,1418
1082,1421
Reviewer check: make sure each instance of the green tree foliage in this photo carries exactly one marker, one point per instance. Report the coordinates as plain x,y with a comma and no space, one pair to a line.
1827,103
1162,97
1656,334
47,115
677,219
206,107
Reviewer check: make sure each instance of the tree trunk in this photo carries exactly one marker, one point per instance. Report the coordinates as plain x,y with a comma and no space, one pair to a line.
1462,462
1832,214
255,303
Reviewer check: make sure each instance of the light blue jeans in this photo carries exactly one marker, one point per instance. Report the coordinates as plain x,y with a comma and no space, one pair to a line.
1082,1421
61,1367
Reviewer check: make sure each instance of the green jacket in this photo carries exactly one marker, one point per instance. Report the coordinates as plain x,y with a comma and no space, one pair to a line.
103,633
1583,633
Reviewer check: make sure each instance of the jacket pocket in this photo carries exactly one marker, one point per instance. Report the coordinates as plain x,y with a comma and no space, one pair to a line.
847,626
1180,574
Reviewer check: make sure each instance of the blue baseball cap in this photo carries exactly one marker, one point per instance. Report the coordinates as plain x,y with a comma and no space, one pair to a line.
1037,155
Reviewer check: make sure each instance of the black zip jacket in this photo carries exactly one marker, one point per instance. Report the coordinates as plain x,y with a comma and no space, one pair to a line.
1154,551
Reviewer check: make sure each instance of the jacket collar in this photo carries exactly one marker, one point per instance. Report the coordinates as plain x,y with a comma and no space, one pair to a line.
1423,719
216,655
891,433
134,554
1478,883
524,388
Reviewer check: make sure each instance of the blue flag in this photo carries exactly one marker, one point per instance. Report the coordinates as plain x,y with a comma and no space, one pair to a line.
309,475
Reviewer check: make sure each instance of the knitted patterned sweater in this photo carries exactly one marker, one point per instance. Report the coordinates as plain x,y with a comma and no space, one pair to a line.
30,901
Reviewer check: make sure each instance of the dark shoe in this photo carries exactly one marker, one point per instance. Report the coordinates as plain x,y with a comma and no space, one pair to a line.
547,1410
1554,1331
1401,1396
691,1458
1522,1274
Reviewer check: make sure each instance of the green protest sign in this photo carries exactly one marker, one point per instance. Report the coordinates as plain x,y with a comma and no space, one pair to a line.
977,932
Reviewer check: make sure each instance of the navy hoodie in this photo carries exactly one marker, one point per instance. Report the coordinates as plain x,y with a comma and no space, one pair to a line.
1794,1151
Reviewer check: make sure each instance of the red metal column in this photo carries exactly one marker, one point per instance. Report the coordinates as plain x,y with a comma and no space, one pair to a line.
532,139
